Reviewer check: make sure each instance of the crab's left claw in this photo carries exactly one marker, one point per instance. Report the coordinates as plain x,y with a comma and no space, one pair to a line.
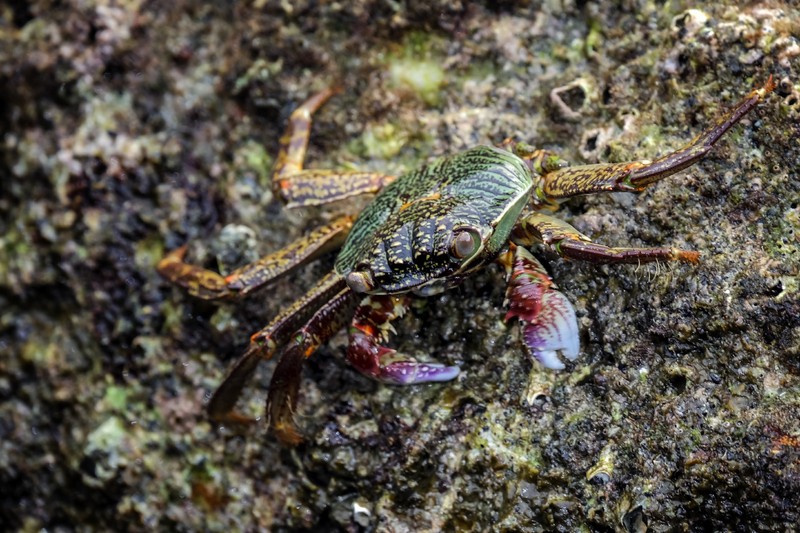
550,325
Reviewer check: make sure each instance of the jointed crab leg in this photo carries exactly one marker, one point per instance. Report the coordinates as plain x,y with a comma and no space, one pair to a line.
548,318
318,187
264,344
371,325
634,176
282,397
568,242
294,142
209,285
298,187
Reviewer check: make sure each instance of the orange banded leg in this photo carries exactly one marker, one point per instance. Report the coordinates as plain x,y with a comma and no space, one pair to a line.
635,176
209,285
568,242
264,343
301,188
285,383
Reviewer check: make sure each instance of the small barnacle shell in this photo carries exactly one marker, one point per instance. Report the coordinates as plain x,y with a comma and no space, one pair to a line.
603,469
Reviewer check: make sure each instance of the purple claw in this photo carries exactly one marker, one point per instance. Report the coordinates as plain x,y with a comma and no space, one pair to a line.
547,316
371,325
409,372
556,328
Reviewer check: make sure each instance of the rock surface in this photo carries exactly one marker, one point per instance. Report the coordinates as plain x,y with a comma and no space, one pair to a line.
129,128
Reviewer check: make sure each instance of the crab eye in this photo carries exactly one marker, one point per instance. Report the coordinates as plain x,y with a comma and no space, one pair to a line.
360,281
465,243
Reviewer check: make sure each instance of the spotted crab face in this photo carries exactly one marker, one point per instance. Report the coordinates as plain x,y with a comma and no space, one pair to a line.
425,248
429,229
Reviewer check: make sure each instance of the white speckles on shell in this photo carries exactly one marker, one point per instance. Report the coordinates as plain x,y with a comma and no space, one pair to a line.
403,236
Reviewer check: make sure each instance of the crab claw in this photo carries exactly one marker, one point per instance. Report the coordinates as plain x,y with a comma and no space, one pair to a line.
371,325
396,369
555,329
550,325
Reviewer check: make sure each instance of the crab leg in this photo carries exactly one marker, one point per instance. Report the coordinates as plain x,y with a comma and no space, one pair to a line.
568,242
318,187
548,318
297,188
264,343
209,285
371,325
635,176
300,188
282,397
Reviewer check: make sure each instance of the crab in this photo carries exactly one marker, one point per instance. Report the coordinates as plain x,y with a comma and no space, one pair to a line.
424,233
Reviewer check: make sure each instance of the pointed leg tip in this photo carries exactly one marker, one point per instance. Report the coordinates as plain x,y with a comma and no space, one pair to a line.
686,256
167,263
233,418
281,421
177,254
768,87
288,434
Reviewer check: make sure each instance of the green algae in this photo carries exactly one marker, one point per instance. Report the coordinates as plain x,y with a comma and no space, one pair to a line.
417,67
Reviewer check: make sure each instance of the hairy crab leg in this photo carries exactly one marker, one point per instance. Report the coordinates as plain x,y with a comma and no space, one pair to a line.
209,285
297,187
548,319
285,383
568,242
371,325
635,176
265,342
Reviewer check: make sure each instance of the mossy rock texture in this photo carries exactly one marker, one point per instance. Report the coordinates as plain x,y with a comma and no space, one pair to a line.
130,128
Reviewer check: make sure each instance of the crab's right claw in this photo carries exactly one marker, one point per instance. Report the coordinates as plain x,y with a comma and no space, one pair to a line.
388,366
370,326
548,318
